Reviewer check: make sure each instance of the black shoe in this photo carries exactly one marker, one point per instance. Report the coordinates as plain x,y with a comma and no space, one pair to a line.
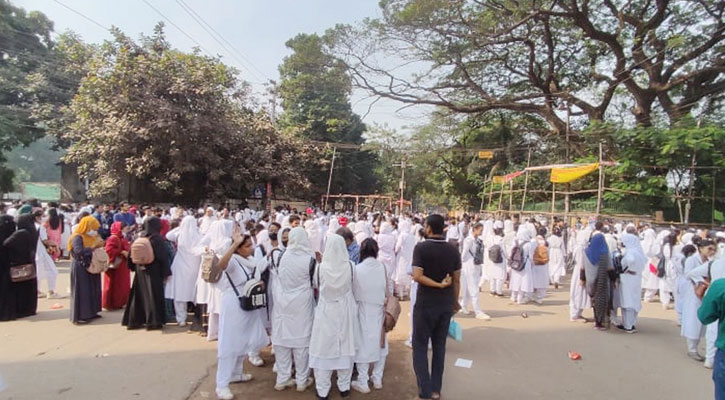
621,327
322,398
345,393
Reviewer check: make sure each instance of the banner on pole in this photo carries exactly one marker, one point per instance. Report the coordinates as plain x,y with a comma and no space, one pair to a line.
501,179
566,175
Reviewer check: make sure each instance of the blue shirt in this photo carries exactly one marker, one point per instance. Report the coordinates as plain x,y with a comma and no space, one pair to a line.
354,251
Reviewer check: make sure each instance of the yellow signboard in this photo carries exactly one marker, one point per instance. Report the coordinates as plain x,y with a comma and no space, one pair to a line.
485,154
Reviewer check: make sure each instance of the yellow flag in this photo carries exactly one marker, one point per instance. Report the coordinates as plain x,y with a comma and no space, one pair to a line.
566,175
499,179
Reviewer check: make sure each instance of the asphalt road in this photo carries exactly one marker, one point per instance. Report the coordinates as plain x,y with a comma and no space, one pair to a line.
46,357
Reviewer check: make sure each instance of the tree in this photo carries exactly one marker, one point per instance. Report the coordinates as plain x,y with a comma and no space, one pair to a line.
531,56
172,119
315,90
25,45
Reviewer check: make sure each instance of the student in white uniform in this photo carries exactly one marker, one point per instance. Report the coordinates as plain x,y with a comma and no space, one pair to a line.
472,265
293,311
522,282
691,325
667,282
579,299
630,281
650,281
44,264
495,255
181,286
540,266
403,257
332,345
716,270
240,331
557,261
369,286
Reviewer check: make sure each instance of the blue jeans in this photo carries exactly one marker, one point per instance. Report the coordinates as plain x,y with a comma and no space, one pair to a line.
718,375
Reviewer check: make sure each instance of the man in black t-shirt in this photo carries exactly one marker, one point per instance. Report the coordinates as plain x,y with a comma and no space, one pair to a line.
437,270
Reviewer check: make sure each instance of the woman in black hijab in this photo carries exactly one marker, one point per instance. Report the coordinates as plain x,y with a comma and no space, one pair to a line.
18,248
146,306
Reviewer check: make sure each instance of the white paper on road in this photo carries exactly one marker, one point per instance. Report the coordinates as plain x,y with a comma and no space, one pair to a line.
463,363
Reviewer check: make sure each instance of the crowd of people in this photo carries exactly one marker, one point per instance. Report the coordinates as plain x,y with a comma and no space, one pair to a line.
327,279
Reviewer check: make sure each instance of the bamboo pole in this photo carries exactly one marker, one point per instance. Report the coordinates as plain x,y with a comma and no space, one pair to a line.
500,198
526,181
511,195
553,198
712,208
601,176
490,195
483,198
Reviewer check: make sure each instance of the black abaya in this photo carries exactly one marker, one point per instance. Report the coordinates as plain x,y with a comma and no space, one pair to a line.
146,305
85,301
17,299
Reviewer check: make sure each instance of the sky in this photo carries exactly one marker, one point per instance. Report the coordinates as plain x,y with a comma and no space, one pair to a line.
257,29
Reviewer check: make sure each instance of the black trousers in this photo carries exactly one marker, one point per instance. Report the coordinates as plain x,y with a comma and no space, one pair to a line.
430,323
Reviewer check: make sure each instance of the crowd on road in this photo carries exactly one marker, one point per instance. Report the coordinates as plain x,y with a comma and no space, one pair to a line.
323,288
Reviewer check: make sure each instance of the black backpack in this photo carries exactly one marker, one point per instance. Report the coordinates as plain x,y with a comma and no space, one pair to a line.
661,270
477,252
516,260
254,294
495,254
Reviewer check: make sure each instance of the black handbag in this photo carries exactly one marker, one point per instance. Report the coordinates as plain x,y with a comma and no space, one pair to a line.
255,294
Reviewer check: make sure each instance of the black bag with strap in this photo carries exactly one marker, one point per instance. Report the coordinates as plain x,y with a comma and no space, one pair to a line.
477,251
254,293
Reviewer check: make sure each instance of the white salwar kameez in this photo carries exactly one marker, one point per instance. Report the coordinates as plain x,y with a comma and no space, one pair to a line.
181,287
579,299
540,273
495,272
650,281
44,264
332,344
293,309
557,261
667,283
369,287
217,239
691,325
717,271
404,257
386,245
522,282
240,332
634,262
470,276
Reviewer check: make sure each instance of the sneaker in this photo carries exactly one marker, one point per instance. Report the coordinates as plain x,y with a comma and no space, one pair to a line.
378,385
41,295
224,394
256,361
345,393
409,344
358,387
308,383
483,316
284,385
54,296
621,328
539,302
696,356
274,368
241,378
709,363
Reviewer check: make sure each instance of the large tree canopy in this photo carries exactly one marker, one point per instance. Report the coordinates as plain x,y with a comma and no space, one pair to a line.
474,56
173,119
315,89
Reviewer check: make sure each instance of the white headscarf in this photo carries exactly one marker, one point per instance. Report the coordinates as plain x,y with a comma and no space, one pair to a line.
299,242
386,228
523,235
334,226
687,238
508,226
219,236
189,235
636,259
335,271
405,227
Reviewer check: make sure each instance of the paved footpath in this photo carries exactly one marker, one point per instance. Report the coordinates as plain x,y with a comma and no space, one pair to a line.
46,357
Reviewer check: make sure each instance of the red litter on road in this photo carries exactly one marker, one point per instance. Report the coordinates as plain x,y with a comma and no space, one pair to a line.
56,306
573,355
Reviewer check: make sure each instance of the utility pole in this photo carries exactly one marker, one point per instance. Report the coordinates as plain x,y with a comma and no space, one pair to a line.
403,165
601,181
329,180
